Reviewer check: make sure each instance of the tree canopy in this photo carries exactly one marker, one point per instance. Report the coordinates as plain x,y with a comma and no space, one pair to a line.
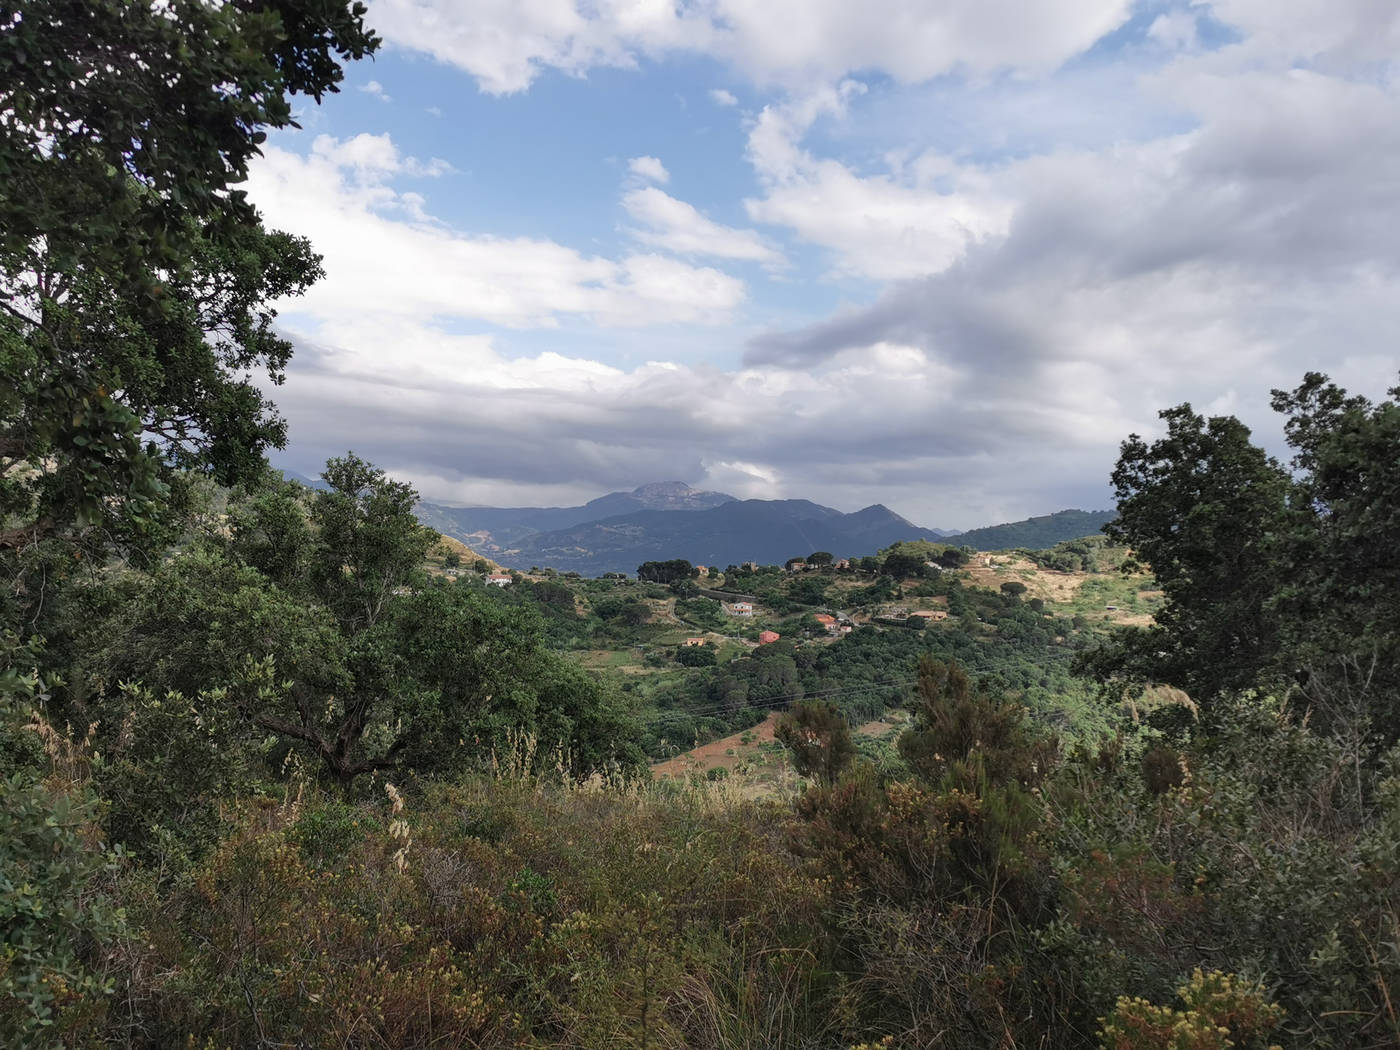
135,277
666,571
1271,575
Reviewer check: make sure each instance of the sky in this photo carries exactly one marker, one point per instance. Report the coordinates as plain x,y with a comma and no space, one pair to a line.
943,255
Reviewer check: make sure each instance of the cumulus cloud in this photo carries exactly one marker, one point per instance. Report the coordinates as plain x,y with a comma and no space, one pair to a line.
505,44
1216,222
720,97
679,227
385,255
650,169
470,424
1213,263
883,226
376,89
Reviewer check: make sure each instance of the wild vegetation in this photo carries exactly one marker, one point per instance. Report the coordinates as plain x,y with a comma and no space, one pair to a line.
274,776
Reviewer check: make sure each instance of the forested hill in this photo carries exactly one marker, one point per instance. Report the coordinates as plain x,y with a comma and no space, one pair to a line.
1038,533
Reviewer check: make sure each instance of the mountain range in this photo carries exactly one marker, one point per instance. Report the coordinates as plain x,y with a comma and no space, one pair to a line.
663,520
617,532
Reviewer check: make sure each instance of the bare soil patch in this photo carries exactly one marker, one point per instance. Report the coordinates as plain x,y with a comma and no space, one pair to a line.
708,756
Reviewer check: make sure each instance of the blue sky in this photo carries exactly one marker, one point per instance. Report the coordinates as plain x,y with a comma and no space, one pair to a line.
940,255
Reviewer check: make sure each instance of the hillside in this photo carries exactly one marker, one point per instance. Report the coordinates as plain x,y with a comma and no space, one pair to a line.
1038,533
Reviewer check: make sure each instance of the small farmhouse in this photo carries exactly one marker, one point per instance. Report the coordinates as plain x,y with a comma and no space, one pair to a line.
739,609
498,579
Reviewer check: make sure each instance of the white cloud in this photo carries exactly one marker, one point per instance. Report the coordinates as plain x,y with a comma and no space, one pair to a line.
374,157
385,256
505,44
376,89
1224,228
649,168
1175,30
883,226
1332,32
678,227
468,423
720,97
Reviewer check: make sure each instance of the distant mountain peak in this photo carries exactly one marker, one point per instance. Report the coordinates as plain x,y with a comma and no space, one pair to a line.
662,490
662,495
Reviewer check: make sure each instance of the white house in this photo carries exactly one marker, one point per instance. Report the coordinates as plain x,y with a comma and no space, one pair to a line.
739,609
498,579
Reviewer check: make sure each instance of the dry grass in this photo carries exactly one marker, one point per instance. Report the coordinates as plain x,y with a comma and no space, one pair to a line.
1041,583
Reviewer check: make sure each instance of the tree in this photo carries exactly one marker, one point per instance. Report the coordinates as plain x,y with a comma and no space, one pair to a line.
821,559
1341,545
135,277
350,654
451,559
966,737
666,571
369,541
1204,507
954,557
1273,579
818,737
1013,588
902,566
696,656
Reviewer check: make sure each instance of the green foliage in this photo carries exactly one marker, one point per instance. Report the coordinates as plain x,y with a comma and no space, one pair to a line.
968,739
818,738
1202,506
809,590
696,656
588,920
136,277
55,917
903,566
349,656
167,774
1270,576
1037,533
1220,1012
51,912
665,571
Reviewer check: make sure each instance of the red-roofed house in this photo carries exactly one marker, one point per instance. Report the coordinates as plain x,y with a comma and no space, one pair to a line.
768,637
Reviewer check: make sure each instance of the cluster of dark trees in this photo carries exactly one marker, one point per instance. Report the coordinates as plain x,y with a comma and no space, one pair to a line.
666,571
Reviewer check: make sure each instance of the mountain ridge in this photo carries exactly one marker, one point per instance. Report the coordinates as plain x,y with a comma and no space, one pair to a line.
765,531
